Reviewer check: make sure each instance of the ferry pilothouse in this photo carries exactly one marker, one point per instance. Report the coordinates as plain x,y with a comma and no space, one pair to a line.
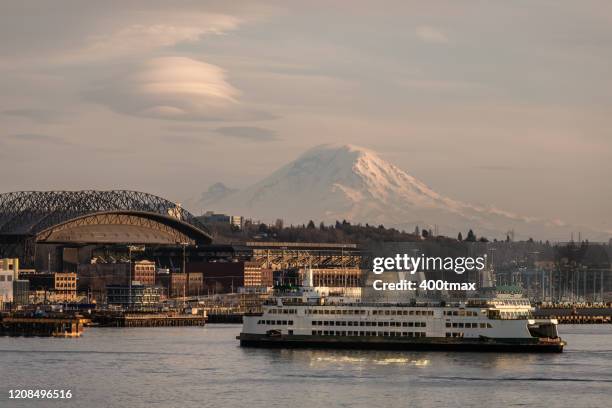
304,318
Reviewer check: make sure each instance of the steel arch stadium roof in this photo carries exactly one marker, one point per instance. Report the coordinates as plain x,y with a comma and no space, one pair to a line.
26,213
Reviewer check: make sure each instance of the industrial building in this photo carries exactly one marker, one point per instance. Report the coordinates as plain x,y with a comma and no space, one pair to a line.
135,297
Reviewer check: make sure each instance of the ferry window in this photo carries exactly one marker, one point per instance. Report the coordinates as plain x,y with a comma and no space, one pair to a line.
482,325
290,322
418,312
314,332
393,313
489,326
290,332
410,324
374,312
386,323
448,334
448,325
326,311
460,325
412,313
380,324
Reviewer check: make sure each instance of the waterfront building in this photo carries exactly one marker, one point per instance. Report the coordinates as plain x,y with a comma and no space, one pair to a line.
186,284
94,277
219,277
21,292
144,272
257,277
346,282
55,287
10,264
6,288
142,297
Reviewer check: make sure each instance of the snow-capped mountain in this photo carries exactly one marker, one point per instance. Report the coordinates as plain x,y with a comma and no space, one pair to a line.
332,182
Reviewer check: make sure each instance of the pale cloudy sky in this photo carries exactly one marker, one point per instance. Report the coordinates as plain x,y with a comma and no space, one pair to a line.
490,102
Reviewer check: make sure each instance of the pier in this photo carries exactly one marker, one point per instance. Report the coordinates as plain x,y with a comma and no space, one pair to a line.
225,318
148,320
44,326
576,315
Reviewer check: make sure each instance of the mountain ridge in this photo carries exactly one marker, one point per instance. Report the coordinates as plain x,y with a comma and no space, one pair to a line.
334,182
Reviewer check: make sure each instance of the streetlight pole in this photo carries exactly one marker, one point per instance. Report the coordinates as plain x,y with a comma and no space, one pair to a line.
185,275
130,276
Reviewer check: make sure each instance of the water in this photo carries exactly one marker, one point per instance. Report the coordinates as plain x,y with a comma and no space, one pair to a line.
201,367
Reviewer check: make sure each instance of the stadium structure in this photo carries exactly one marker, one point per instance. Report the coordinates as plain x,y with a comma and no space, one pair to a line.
36,224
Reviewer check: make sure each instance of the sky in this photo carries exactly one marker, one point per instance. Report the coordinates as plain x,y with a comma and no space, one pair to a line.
497,103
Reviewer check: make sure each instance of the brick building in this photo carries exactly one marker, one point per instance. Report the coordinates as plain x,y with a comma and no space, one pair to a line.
219,277
144,272
257,277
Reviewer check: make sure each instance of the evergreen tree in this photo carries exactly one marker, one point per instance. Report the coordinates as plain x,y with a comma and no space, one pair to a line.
311,224
471,237
459,237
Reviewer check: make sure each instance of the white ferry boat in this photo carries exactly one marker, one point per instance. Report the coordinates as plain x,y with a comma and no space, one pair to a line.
306,319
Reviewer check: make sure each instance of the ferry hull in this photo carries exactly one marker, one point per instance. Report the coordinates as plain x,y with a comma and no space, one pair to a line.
420,344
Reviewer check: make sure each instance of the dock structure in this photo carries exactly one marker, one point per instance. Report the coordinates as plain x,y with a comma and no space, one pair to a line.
53,326
150,320
225,318
577,315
